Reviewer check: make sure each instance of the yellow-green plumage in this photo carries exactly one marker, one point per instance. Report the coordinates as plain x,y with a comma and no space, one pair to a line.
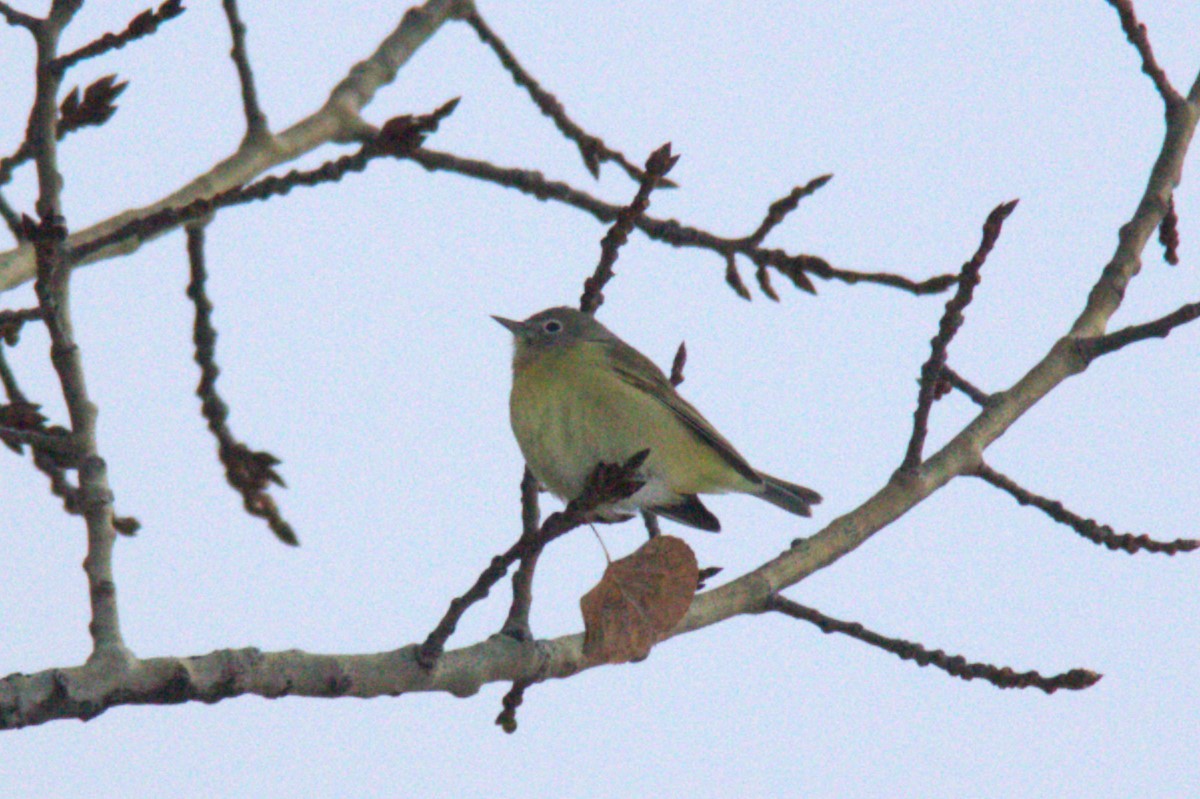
581,396
571,410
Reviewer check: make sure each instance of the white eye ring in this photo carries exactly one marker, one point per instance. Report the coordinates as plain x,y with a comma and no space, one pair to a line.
552,326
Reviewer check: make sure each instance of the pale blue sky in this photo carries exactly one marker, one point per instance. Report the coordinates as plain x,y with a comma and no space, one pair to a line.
356,345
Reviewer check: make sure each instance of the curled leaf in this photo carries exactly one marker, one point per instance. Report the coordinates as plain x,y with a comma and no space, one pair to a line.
640,599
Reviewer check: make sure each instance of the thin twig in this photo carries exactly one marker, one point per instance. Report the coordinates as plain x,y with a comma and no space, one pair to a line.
955,665
144,24
607,483
11,323
951,321
517,624
248,471
670,231
1135,31
256,120
591,148
779,209
957,381
1088,528
1092,348
18,18
657,165
396,139
507,720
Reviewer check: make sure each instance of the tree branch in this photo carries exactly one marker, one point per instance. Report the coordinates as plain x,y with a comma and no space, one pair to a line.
338,120
256,120
1093,348
1088,528
657,165
954,665
53,291
592,149
952,320
608,483
144,24
670,231
248,471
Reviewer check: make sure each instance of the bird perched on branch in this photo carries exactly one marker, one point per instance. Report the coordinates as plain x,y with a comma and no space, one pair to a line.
581,396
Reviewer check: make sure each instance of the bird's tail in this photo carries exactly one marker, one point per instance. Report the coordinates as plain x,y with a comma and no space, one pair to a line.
789,496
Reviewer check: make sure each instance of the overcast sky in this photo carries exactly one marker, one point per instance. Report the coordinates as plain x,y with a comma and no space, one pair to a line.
355,344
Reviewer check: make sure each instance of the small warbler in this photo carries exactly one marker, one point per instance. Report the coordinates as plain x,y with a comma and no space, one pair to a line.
581,396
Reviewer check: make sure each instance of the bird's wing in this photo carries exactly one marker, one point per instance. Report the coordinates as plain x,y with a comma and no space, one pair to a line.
640,372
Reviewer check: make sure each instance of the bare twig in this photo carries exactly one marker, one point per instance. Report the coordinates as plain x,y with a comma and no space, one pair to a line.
247,471
779,209
256,120
591,148
952,319
955,665
957,381
11,323
339,119
396,139
52,286
1096,346
657,165
517,624
507,720
1088,528
1135,31
670,231
144,24
607,483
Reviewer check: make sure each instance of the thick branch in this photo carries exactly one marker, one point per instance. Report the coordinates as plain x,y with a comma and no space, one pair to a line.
337,120
53,292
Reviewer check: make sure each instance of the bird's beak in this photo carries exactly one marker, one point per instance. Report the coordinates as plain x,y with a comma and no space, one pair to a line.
515,328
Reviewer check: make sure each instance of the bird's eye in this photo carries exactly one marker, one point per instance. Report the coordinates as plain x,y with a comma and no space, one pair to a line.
552,326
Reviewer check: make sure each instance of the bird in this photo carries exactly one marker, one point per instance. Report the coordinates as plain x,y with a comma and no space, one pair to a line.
581,396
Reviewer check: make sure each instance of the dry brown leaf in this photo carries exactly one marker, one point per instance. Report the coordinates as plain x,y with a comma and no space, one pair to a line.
640,598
